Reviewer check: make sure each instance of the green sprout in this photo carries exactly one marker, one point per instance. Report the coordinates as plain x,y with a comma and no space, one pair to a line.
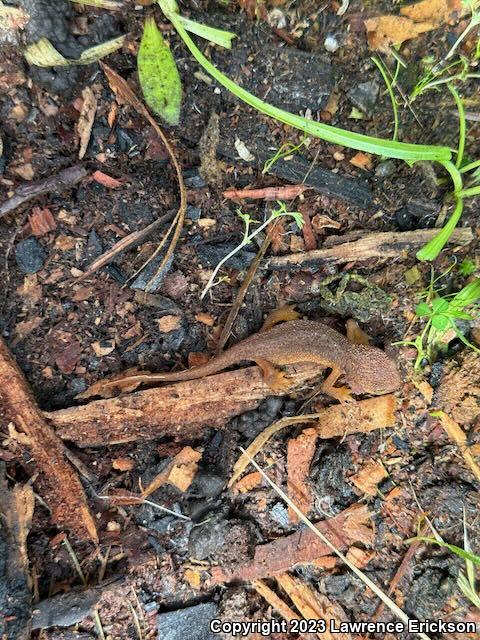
389,83
285,151
466,581
442,314
279,212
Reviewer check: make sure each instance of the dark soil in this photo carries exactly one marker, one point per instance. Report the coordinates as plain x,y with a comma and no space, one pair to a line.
55,325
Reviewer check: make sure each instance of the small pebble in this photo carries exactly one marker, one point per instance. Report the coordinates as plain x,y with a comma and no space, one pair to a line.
29,255
331,43
385,169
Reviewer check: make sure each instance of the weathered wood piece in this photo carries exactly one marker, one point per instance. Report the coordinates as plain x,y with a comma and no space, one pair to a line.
58,481
178,410
57,183
388,244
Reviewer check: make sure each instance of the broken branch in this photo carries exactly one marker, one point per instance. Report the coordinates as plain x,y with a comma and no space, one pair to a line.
58,481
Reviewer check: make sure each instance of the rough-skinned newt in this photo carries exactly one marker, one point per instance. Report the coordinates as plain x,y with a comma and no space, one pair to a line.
365,369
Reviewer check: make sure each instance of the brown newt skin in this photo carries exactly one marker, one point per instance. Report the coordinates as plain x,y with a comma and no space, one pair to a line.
365,369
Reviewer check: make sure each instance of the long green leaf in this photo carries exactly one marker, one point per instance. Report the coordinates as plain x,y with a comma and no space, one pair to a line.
466,555
335,135
158,74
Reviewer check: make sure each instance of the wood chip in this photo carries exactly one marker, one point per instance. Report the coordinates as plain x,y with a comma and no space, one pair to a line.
456,433
274,600
384,245
248,482
180,472
41,221
282,554
57,482
180,410
300,452
313,606
106,180
169,323
367,479
337,420
415,19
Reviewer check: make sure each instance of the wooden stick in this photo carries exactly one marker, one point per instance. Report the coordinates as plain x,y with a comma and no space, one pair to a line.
389,244
56,183
178,410
58,481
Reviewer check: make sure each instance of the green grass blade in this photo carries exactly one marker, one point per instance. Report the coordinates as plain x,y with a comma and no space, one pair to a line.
462,124
334,135
458,551
389,86
217,36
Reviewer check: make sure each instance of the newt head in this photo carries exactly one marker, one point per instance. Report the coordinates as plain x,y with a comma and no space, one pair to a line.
371,371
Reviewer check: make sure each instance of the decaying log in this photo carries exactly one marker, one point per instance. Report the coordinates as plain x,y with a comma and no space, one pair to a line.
58,481
303,546
179,410
16,510
388,244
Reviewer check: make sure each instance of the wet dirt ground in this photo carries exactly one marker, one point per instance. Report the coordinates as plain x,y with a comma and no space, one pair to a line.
66,334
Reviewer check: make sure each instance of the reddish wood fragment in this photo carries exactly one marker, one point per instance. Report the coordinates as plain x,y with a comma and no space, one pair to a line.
300,452
288,192
58,482
41,221
106,180
303,546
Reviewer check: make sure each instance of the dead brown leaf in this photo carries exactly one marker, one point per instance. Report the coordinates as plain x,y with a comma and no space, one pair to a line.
384,31
456,433
86,120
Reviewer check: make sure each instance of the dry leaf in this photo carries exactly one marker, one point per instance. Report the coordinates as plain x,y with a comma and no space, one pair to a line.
86,120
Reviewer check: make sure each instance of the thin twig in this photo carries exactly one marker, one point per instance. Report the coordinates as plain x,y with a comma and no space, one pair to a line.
242,292
121,87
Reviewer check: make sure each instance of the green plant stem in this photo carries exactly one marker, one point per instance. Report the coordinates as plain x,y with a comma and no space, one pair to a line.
469,193
334,135
462,132
431,250
389,86
470,166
